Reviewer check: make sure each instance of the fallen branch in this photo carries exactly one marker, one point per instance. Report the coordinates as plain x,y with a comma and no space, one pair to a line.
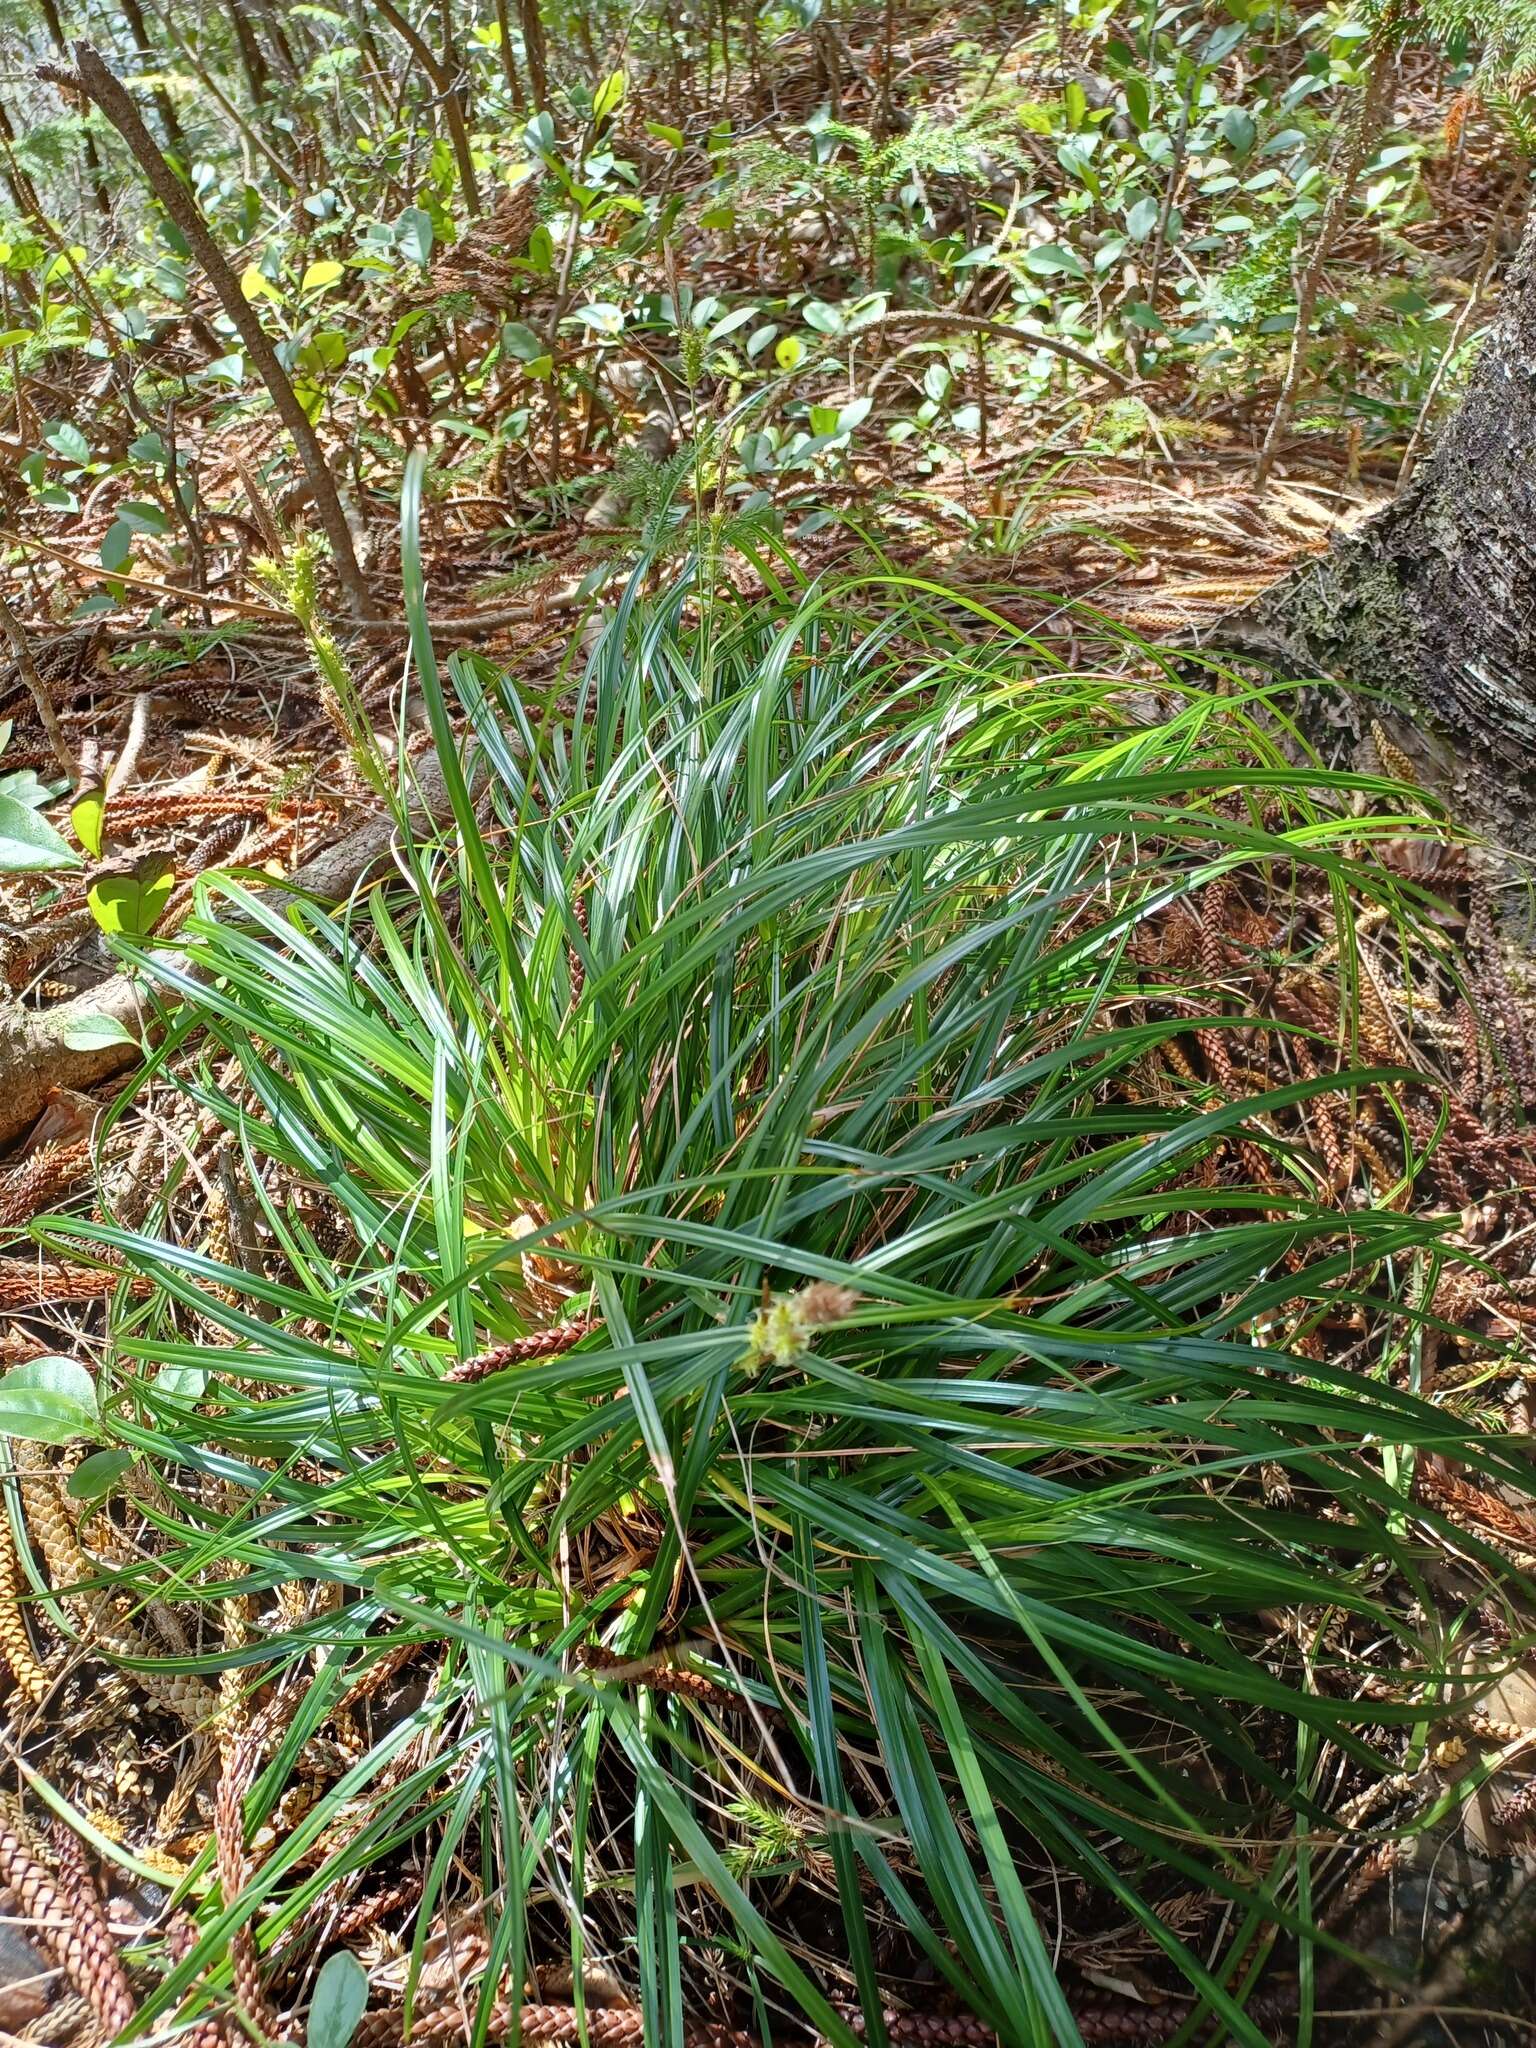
566,598
98,574
999,330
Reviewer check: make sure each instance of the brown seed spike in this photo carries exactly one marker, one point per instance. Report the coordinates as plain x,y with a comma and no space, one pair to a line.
111,1999
538,2026
522,1350
38,1182
824,1301
15,1642
79,1943
1518,1812
181,1939
30,1283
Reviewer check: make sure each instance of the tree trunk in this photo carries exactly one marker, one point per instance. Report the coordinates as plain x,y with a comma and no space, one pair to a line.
23,192
98,84
447,84
95,176
170,126
1433,601
253,63
287,61
536,51
507,54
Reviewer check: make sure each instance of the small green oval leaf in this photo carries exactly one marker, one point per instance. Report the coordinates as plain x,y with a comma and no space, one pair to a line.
66,439
117,545
608,96
48,1401
253,285
139,516
520,342
96,1476
182,1382
1052,260
414,235
91,1034
1141,219
341,1993
87,815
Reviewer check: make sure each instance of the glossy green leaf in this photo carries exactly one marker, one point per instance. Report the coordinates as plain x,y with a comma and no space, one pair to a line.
87,816
1141,219
255,284
521,343
28,843
414,235
94,1477
127,898
1053,259
609,96
48,1401
93,1033
117,545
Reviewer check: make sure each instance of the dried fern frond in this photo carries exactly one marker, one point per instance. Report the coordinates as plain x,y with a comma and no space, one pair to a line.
479,266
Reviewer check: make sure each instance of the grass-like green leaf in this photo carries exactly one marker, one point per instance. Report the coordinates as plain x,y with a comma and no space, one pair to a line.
804,942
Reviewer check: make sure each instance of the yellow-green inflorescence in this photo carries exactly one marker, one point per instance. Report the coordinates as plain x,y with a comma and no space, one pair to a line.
781,1331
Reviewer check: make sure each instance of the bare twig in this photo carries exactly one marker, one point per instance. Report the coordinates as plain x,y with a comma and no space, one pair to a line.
11,626
128,760
446,83
1371,118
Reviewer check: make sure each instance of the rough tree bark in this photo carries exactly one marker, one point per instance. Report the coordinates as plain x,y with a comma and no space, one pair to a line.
1433,601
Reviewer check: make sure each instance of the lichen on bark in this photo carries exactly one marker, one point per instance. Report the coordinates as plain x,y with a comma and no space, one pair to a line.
1432,604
